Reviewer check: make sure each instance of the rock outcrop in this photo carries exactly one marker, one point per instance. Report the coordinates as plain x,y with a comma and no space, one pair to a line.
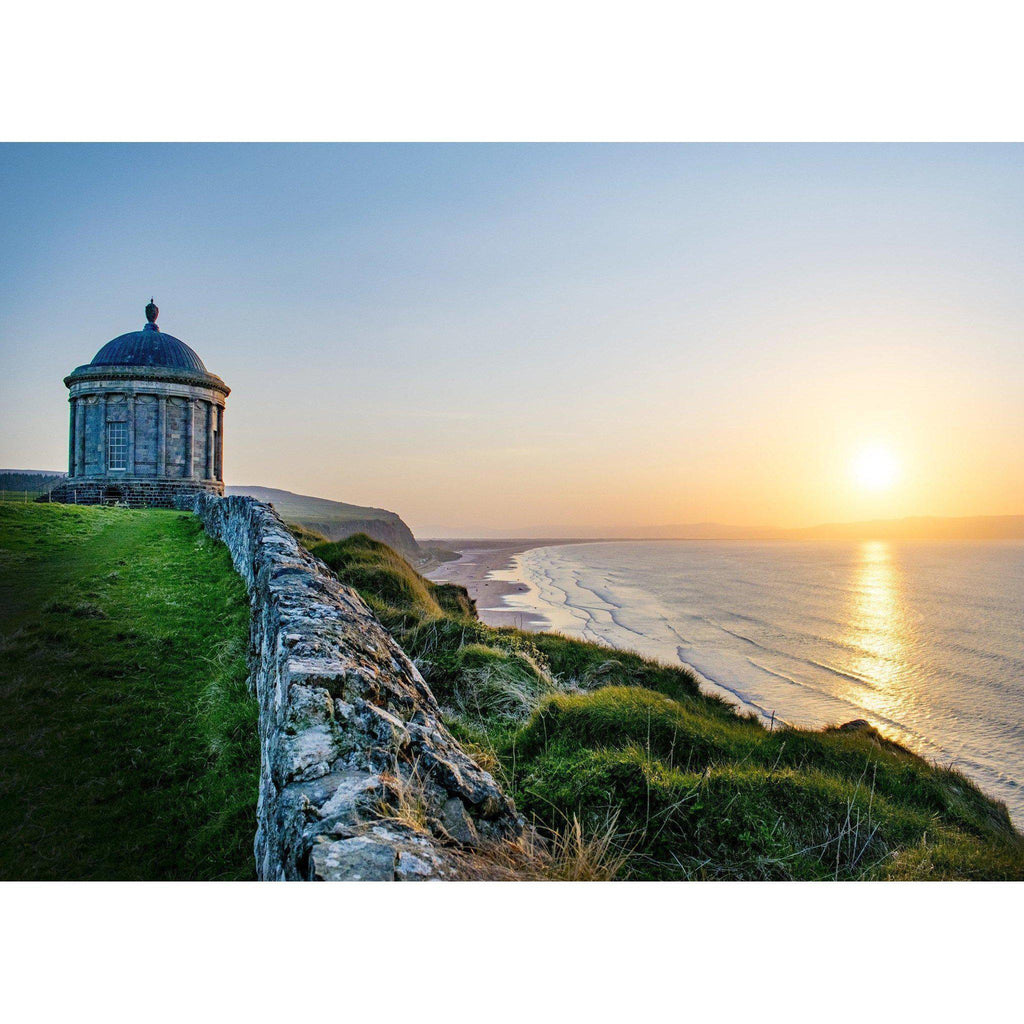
359,779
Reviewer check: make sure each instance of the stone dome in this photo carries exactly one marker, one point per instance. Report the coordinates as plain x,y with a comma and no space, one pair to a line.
148,347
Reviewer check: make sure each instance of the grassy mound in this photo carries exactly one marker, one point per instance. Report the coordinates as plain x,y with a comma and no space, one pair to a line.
706,797
307,538
129,747
389,584
626,761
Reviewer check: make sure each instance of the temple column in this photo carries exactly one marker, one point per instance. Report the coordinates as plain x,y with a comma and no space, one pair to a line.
79,437
190,433
101,461
130,461
72,447
211,438
161,435
219,468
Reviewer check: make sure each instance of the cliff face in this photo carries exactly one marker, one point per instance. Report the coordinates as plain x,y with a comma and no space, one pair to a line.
359,777
336,520
392,532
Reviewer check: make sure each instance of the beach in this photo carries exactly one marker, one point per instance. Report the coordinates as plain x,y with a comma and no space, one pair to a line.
486,568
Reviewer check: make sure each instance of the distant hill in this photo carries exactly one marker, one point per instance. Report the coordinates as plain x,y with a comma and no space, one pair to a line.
18,482
919,528
910,528
700,531
336,520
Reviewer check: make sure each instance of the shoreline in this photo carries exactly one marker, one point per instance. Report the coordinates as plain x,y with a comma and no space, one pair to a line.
475,569
488,570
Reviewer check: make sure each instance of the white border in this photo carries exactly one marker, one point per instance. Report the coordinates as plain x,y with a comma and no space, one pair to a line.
446,951
532,70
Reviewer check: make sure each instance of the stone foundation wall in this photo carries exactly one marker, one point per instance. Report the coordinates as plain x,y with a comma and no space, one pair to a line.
133,493
359,777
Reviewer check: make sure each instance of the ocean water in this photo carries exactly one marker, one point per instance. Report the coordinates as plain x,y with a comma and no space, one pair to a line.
924,640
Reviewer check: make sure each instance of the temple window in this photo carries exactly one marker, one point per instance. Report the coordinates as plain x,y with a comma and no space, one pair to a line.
117,446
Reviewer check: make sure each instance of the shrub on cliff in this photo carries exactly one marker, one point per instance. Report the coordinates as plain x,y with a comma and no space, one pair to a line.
708,797
384,579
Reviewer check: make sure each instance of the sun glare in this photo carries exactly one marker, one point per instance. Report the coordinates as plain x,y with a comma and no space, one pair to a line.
876,468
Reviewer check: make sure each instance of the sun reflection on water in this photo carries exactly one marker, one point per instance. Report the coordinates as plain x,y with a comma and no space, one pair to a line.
875,635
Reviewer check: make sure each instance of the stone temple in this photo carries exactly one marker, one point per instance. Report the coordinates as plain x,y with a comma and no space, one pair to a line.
147,423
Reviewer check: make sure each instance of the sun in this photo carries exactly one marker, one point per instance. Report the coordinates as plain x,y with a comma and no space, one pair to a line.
876,468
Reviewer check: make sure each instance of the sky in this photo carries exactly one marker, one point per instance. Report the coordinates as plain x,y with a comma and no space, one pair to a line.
550,339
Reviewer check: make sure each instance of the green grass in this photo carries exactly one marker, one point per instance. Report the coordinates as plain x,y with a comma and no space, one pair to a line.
19,497
129,748
708,797
390,586
307,538
581,733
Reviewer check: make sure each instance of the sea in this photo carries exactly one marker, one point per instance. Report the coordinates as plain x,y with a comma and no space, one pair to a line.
925,640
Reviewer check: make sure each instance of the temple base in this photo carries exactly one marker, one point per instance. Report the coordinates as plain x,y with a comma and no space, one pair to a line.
132,493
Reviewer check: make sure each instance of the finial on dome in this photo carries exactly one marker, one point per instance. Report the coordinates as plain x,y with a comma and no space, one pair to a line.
152,312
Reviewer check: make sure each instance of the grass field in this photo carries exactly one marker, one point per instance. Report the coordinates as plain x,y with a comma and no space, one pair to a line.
129,747
626,764
18,497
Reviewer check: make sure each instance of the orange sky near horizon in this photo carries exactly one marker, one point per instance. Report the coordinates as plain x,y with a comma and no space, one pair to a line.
781,453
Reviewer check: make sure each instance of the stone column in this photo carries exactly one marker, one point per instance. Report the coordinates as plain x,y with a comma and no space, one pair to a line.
72,448
79,437
130,461
219,468
161,435
101,462
190,433
211,438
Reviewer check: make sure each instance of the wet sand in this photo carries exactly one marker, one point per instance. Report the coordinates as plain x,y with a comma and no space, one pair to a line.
478,559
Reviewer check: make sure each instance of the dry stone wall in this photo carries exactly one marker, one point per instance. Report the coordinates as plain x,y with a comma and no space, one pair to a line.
359,777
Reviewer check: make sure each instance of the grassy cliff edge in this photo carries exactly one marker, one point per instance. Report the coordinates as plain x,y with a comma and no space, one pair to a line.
635,773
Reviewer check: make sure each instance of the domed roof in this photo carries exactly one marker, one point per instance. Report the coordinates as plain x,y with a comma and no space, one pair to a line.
148,347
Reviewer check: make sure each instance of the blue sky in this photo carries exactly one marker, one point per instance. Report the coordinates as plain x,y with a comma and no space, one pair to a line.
561,338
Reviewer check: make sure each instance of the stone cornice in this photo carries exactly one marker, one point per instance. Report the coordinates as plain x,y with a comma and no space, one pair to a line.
165,374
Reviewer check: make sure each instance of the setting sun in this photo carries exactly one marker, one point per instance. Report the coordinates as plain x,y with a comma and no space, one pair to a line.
876,468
